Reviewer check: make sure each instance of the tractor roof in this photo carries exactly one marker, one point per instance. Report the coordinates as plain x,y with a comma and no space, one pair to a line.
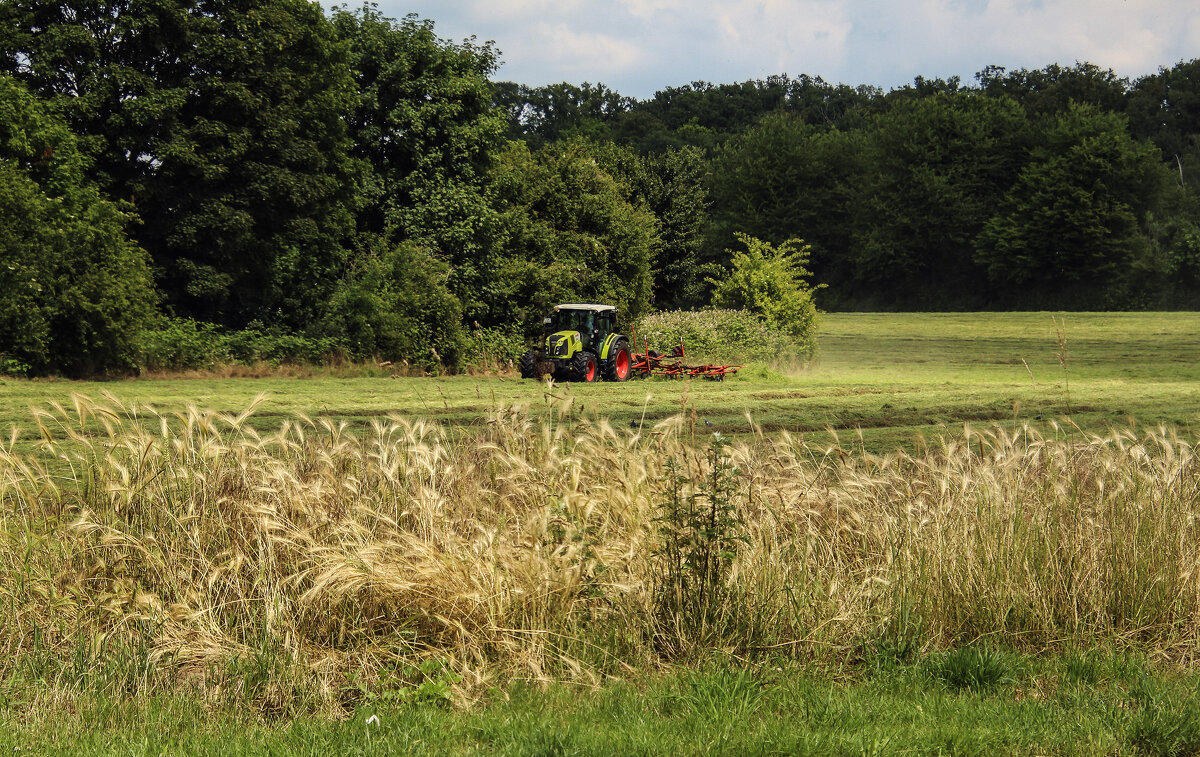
584,306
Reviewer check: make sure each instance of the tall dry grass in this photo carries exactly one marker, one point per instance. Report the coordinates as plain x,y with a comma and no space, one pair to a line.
140,550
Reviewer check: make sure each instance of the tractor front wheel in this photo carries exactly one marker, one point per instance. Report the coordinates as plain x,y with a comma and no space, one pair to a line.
584,367
619,365
530,364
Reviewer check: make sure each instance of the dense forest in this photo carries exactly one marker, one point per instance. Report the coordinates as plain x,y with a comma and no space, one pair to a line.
275,179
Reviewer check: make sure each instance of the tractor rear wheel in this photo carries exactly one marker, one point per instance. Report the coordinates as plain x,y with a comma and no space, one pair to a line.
529,364
619,365
584,367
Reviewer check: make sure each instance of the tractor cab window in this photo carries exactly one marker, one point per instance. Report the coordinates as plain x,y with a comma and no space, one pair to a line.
572,320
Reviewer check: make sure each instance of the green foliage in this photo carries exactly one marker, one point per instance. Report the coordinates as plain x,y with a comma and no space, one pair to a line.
700,530
225,126
396,304
1073,215
427,133
730,336
936,166
573,232
184,344
492,349
771,282
74,290
1051,90
558,111
670,185
430,682
785,178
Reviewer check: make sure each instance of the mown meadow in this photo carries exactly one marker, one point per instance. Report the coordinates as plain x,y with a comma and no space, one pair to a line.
951,534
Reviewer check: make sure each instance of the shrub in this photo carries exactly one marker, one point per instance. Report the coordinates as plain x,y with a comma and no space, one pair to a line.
725,336
184,344
396,303
490,349
75,290
771,282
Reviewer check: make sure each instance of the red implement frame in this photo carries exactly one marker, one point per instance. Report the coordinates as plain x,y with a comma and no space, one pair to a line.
650,362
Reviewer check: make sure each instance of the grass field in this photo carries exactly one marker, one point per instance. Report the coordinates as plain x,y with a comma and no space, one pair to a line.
897,378
1085,704
597,577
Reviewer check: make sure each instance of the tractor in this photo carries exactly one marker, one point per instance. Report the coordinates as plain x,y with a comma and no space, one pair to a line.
579,343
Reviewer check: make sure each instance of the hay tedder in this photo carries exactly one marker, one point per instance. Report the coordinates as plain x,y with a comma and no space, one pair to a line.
580,343
653,363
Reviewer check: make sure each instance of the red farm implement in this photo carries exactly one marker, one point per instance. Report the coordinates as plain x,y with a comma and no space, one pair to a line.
650,362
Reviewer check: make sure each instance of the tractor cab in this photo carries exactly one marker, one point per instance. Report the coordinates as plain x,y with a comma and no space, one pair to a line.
593,323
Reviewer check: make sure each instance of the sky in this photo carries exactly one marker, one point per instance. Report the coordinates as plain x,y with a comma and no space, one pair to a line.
638,47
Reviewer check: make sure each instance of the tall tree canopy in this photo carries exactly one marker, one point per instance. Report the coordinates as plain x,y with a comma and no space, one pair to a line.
223,121
937,165
74,290
1070,226
426,127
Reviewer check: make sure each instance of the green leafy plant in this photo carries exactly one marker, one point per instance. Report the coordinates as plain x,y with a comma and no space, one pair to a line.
700,529
771,282
720,336
430,682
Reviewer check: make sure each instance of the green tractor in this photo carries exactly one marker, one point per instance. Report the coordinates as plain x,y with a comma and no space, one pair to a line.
580,343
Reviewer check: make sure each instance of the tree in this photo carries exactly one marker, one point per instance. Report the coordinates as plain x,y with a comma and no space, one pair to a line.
785,178
1069,230
223,122
771,282
1165,107
396,303
938,165
1051,90
569,232
426,127
75,292
559,111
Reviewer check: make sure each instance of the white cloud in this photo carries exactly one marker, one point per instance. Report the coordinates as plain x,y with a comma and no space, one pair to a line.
582,54
649,9
776,31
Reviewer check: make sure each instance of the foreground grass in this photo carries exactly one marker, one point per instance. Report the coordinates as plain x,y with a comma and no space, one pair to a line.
349,544
970,701
290,568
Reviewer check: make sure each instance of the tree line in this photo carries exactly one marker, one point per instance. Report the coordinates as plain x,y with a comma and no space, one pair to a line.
175,168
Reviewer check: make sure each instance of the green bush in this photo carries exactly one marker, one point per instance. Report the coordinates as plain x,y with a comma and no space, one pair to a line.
396,304
772,283
75,290
720,336
489,349
184,344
